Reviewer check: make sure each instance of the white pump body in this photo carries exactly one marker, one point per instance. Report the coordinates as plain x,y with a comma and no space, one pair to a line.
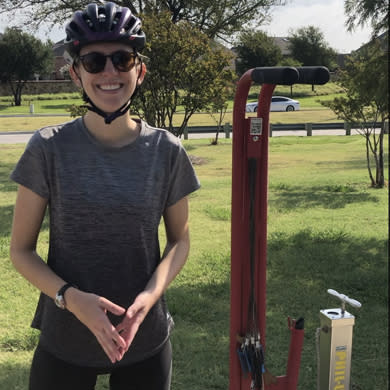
335,345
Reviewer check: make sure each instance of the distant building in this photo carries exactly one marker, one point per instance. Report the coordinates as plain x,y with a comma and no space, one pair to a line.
383,39
59,62
283,44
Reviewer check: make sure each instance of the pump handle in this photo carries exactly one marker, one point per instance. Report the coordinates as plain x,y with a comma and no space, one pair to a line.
288,75
344,298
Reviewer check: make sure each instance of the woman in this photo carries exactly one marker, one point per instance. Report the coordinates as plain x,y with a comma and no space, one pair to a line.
106,180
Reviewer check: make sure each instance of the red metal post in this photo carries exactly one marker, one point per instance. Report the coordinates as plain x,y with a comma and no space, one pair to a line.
239,228
250,140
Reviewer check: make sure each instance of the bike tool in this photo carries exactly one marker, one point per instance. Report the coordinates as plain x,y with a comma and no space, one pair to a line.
249,234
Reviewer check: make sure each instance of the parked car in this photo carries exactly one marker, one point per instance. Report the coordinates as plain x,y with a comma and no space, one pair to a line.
278,103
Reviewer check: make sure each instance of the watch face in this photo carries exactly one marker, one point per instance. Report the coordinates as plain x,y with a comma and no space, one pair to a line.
59,301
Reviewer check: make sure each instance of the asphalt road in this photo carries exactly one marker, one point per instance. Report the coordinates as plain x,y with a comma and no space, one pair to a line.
15,138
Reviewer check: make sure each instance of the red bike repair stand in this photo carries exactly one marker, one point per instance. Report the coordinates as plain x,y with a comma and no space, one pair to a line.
250,141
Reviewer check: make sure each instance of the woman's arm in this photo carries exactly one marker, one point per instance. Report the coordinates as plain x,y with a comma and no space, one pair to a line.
176,250
174,257
28,216
90,309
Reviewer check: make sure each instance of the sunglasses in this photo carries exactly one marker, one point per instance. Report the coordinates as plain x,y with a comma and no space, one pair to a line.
95,62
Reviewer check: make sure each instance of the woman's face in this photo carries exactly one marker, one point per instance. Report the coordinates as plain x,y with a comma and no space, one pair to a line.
110,88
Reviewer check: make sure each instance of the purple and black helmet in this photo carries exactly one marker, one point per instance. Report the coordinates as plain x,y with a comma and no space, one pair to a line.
103,23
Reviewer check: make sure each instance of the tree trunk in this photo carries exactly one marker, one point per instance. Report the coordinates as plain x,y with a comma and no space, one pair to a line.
16,88
18,100
368,161
380,168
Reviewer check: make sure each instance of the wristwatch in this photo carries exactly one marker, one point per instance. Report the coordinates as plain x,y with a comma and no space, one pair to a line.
59,299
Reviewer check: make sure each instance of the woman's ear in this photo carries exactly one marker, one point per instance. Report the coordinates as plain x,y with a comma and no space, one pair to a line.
75,77
141,74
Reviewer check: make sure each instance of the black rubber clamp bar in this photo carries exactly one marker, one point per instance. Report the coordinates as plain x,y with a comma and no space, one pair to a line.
285,75
288,75
314,75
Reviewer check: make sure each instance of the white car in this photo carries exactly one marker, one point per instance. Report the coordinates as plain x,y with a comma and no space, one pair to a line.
278,103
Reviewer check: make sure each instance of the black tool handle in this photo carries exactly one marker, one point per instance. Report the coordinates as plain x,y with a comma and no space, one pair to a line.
288,75
285,75
300,323
314,75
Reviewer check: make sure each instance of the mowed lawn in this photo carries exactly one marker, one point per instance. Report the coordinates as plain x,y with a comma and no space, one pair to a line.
50,105
326,229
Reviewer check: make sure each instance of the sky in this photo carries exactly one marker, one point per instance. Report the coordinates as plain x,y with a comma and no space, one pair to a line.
327,15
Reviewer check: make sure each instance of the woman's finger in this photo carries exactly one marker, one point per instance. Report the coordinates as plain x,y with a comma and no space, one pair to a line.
112,343
109,347
111,307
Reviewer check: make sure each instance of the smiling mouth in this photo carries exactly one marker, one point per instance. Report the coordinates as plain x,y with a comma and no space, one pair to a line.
110,87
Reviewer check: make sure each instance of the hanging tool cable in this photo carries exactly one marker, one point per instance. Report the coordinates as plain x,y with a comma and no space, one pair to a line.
256,350
251,353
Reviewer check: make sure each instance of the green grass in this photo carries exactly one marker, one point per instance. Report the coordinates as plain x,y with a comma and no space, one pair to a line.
311,108
30,123
43,103
326,229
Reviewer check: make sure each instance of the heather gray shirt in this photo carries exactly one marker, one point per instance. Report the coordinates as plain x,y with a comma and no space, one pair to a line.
105,206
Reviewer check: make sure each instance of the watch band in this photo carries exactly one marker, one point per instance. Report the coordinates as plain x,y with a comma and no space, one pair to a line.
59,299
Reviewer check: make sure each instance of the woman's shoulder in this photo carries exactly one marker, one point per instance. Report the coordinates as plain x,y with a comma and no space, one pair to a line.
160,135
52,131
50,135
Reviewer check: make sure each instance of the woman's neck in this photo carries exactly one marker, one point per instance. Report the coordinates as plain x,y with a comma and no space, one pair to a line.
122,131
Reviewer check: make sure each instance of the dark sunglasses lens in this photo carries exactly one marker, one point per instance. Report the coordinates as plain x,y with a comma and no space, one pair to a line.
123,60
94,62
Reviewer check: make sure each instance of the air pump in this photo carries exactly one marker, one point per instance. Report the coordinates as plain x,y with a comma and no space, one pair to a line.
249,234
335,345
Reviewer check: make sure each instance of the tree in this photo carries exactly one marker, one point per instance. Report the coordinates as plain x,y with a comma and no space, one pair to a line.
361,12
184,70
215,18
22,57
219,105
309,47
366,104
254,49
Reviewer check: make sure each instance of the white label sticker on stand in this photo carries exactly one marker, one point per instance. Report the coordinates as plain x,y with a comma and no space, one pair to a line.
256,126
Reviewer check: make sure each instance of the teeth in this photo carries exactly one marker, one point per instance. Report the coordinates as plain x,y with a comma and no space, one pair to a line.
110,87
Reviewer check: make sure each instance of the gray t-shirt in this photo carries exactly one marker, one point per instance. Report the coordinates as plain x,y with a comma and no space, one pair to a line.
105,206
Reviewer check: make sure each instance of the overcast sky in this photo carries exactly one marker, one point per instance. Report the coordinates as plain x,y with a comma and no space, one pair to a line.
327,15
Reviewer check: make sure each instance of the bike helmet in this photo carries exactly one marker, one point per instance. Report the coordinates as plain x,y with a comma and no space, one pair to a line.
103,23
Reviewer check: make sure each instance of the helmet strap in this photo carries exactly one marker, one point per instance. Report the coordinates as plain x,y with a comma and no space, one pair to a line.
108,118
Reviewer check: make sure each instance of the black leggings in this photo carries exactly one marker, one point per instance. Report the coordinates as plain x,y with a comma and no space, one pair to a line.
48,373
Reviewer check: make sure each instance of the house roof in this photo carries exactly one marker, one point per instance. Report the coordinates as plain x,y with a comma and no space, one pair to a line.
383,40
59,48
284,45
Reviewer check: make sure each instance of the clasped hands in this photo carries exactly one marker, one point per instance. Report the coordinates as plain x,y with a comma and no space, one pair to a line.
92,310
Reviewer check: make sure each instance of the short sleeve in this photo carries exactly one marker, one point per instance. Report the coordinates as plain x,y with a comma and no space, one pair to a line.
31,169
183,179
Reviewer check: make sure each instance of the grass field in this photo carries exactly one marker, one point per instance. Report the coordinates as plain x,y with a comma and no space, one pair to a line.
311,109
326,229
30,123
58,103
